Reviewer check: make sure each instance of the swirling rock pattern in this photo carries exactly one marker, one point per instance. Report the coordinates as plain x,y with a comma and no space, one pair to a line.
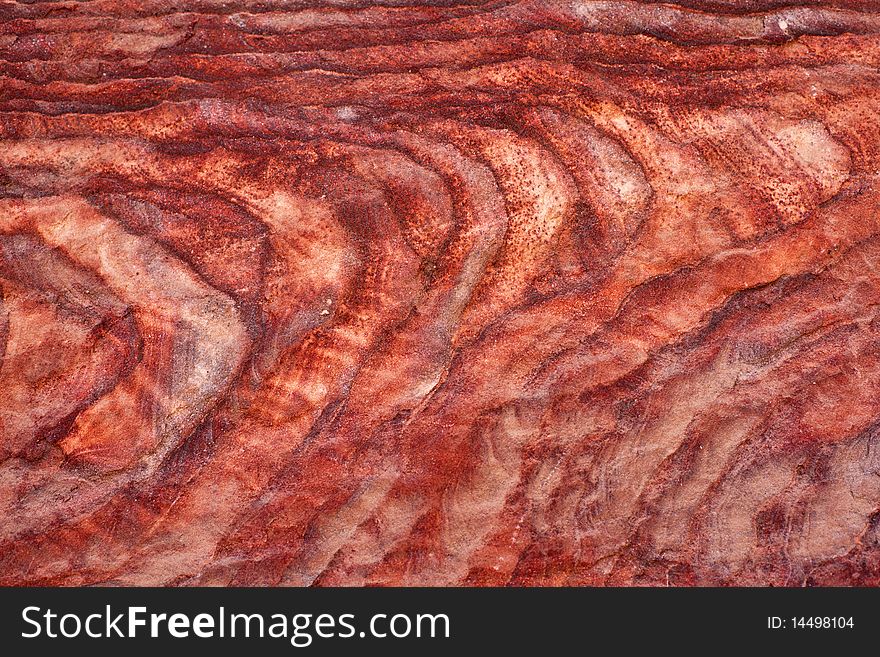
345,292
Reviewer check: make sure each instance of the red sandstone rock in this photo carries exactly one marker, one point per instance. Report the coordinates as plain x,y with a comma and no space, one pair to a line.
532,292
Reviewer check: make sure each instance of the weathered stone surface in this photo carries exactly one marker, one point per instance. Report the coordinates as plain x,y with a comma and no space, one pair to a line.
534,292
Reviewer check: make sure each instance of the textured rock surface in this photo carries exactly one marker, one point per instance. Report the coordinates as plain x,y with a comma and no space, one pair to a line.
353,292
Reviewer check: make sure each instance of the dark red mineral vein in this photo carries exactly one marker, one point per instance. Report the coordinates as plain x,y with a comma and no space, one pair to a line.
353,292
